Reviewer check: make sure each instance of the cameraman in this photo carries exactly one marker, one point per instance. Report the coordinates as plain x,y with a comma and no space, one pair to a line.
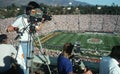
64,64
21,25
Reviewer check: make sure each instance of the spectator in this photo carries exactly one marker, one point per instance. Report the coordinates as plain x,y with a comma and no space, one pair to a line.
7,57
64,64
110,64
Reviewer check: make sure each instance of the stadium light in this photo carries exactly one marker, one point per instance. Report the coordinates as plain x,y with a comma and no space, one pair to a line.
99,8
18,9
69,8
70,3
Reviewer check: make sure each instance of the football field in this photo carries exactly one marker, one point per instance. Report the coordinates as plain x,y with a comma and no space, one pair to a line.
88,40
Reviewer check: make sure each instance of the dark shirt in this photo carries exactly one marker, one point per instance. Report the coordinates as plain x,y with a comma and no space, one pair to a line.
64,65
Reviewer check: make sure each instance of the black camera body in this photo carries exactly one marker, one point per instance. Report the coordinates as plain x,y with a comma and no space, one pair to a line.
38,19
78,66
38,15
47,17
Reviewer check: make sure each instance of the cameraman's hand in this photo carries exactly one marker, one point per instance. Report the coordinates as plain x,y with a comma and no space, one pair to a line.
88,72
10,29
39,27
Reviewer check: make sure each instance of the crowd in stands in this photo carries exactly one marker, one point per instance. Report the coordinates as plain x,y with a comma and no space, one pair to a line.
104,23
75,23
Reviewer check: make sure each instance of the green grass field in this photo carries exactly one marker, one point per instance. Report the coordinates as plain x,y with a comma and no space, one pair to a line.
107,41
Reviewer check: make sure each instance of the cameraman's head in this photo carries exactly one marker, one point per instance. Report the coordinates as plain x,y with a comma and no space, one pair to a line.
115,52
31,6
67,49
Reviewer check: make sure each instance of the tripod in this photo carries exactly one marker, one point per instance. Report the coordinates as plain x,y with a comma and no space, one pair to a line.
32,54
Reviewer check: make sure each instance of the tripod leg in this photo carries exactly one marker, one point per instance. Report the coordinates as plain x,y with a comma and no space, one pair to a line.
41,50
30,56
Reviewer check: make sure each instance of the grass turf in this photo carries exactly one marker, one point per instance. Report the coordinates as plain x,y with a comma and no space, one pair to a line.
108,40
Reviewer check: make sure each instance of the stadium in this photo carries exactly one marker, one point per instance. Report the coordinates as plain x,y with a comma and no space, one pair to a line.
96,34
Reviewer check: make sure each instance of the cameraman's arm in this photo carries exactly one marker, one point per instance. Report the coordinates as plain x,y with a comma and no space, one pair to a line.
39,27
87,71
10,28
15,25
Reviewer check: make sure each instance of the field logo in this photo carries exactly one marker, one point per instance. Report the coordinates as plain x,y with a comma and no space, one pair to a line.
94,41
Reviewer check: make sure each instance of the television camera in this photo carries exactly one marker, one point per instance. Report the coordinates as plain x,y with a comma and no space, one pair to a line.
78,65
37,15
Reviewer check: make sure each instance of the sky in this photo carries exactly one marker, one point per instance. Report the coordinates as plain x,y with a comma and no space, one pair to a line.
102,2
